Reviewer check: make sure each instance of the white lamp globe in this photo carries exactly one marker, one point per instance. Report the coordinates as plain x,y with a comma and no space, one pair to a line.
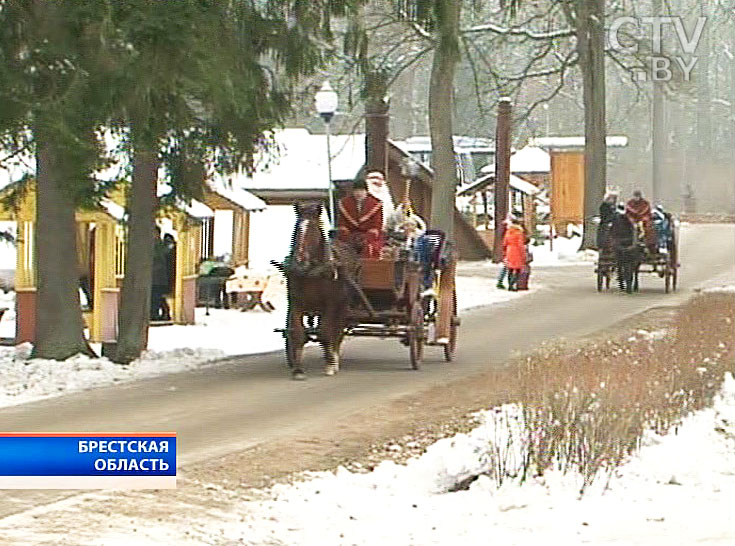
326,101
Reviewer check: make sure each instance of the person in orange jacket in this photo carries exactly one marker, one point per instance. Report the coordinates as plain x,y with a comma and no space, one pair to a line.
514,252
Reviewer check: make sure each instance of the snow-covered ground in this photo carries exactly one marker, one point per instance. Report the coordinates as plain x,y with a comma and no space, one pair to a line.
175,348
678,489
562,251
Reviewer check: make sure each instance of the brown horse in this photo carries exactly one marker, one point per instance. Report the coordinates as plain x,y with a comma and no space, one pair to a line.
317,290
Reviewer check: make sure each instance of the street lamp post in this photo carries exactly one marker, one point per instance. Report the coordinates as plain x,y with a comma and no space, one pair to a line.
326,101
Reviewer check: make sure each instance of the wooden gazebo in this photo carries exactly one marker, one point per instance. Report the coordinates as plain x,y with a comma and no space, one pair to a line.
98,231
101,260
241,203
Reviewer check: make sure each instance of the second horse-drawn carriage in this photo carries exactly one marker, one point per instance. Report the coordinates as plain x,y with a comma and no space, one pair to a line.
631,260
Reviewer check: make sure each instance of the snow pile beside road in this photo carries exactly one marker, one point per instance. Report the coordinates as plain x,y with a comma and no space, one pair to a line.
475,292
678,489
563,251
725,288
23,380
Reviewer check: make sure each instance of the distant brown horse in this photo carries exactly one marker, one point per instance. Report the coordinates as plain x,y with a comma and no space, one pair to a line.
317,289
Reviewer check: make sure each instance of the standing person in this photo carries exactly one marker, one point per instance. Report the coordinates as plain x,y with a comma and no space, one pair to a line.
607,213
621,237
526,271
638,210
361,220
378,188
170,255
159,280
514,250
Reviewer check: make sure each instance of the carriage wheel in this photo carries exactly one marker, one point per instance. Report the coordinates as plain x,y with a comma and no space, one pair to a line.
416,335
450,347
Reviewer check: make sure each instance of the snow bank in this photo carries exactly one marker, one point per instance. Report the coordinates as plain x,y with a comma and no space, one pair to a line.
677,490
727,289
565,251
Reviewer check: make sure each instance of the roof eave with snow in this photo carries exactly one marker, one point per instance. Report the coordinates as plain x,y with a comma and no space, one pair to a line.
574,143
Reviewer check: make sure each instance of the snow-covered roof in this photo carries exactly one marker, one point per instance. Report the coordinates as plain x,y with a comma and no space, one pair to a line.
239,196
193,208
559,143
530,159
302,162
423,144
489,179
197,209
113,209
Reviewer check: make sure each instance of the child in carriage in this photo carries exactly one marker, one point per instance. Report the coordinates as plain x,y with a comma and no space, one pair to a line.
662,227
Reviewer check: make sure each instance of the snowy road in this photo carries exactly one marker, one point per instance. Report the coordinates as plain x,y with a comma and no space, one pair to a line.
243,402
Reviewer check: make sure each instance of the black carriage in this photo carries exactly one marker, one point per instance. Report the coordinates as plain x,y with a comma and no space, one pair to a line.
664,262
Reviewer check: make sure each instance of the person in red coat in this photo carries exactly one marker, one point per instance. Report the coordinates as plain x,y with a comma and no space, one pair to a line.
360,220
639,210
514,252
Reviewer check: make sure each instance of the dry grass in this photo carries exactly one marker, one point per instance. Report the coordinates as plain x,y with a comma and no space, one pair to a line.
586,410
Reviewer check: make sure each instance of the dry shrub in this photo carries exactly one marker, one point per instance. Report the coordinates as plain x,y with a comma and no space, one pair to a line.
586,410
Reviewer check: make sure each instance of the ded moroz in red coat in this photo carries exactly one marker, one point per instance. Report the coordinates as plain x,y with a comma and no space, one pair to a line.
366,223
639,210
514,247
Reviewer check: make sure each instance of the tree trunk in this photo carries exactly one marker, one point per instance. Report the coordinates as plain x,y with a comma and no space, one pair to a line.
59,322
591,44
135,300
502,175
446,56
376,122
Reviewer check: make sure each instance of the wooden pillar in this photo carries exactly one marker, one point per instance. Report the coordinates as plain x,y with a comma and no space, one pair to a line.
25,283
502,175
246,238
446,300
181,250
187,253
104,321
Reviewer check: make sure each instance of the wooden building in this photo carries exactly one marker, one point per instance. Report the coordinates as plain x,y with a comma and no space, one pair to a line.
101,261
220,196
567,177
521,199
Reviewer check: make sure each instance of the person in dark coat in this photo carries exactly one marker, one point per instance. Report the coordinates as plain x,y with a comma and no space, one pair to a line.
160,281
607,213
622,234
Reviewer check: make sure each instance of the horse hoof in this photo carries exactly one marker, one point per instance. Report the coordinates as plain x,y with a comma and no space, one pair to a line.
331,369
298,376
